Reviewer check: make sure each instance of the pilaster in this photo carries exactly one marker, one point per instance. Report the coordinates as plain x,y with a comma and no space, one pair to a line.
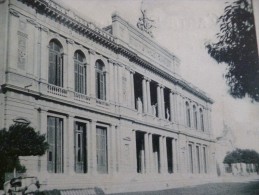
147,159
92,154
144,89
148,97
92,75
132,89
69,146
159,101
134,152
174,156
43,130
70,65
172,107
111,78
150,145
162,102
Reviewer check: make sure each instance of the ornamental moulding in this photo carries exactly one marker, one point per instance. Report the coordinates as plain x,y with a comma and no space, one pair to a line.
68,18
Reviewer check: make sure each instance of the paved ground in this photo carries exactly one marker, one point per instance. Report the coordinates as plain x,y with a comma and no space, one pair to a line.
240,186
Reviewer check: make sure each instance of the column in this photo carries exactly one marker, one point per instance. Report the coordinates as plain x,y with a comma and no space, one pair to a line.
43,70
115,70
36,51
91,76
70,145
148,97
162,102
92,154
165,156
70,65
132,89
12,44
119,145
147,163
159,101
174,156
107,86
111,78
144,90
119,81
172,107
150,144
43,130
134,152
110,149
161,151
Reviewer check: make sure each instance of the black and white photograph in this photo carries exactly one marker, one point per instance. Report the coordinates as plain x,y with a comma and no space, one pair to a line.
130,97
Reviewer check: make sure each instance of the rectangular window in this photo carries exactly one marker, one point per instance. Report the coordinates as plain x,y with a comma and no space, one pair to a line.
198,159
55,141
80,78
80,148
190,159
100,86
55,69
205,159
101,150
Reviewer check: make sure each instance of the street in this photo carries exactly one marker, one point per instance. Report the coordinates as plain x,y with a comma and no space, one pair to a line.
238,187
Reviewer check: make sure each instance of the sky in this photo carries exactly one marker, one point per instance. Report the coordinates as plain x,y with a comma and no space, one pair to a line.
183,27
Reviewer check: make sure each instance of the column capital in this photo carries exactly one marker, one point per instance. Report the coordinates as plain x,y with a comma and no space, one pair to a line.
111,61
70,41
145,78
43,109
132,71
91,51
173,92
93,120
119,64
14,13
160,85
70,115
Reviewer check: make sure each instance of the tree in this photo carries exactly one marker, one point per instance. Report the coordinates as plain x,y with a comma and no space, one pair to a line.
19,140
236,46
242,156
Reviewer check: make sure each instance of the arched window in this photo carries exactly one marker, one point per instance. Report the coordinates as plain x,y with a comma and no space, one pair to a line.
201,120
100,80
80,72
195,120
188,114
55,63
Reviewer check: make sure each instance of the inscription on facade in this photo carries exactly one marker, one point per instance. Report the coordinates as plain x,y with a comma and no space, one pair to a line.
149,52
22,50
124,88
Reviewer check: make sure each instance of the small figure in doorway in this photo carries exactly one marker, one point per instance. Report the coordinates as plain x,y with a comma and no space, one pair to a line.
139,105
167,114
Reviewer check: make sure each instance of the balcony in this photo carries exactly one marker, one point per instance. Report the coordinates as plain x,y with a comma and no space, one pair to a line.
56,90
81,97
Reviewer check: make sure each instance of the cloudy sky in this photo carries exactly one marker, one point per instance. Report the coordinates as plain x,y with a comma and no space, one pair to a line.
183,26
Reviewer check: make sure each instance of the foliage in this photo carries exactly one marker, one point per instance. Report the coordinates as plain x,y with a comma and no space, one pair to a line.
236,46
19,140
242,156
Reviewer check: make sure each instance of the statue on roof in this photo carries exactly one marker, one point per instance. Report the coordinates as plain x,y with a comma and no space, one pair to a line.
145,24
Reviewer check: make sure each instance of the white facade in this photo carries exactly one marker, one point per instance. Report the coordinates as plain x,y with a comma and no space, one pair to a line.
113,107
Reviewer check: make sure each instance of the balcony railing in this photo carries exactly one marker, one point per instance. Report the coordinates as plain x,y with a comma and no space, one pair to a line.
56,90
102,102
81,97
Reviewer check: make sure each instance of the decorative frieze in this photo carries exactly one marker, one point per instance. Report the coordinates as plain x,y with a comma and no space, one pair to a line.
14,13
22,50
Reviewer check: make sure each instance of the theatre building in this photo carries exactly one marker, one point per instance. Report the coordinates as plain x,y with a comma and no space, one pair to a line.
114,109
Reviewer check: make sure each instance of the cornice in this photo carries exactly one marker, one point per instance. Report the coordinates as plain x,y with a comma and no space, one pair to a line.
88,29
